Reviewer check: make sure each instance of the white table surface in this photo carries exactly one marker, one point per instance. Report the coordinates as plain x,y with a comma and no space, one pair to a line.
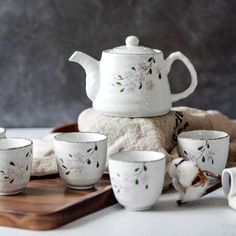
208,216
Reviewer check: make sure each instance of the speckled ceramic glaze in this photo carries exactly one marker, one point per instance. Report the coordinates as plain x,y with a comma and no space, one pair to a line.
81,158
2,133
229,185
137,178
208,148
132,80
15,165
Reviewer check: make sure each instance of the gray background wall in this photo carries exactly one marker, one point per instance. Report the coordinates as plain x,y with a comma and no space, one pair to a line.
39,87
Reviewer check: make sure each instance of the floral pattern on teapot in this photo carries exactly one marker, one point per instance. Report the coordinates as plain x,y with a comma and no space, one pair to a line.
137,77
129,70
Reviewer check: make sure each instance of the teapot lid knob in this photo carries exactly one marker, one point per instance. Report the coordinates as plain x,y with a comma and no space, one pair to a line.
131,41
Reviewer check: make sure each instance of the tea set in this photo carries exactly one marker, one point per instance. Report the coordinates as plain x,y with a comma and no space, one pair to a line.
128,81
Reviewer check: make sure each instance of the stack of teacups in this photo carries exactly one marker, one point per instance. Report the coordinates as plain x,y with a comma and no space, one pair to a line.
15,164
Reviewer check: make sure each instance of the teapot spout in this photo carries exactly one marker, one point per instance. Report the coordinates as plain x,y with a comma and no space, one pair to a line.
91,67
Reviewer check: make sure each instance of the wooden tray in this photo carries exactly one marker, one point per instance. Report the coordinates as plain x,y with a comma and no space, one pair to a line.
47,204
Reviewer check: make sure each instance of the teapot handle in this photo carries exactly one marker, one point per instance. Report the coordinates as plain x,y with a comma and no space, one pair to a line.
180,56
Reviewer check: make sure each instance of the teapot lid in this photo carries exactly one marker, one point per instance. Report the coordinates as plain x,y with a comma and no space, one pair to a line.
131,47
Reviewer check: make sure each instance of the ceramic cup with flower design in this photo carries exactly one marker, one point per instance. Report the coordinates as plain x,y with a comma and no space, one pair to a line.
81,158
137,178
209,148
15,164
2,133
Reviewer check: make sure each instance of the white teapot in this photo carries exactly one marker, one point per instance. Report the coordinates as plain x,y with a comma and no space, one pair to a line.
131,80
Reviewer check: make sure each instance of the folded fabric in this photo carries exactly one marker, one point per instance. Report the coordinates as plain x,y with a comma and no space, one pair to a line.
126,134
44,162
156,133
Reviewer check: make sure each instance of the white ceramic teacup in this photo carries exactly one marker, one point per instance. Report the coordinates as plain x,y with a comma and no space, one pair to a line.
81,158
209,148
137,178
15,164
2,133
229,185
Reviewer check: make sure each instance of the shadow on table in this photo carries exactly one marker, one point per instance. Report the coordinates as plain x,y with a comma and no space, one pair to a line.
167,203
203,203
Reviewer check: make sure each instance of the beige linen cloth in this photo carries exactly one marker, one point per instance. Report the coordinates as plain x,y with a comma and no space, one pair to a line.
44,162
155,133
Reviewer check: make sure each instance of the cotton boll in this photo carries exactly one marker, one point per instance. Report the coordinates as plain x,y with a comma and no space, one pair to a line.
188,180
187,172
172,168
193,193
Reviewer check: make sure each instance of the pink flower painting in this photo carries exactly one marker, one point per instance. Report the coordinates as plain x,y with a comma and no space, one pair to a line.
138,77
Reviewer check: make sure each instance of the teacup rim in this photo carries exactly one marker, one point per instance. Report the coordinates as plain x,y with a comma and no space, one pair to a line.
114,156
55,138
15,148
2,130
226,135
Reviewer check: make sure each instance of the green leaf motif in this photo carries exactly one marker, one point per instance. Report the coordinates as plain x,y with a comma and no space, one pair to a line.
11,181
122,90
90,149
120,77
137,169
64,167
150,71
70,155
140,86
97,164
200,148
68,172
96,147
203,159
146,186
133,68
150,59
159,75
88,162
118,83
27,167
136,181
144,168
12,163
